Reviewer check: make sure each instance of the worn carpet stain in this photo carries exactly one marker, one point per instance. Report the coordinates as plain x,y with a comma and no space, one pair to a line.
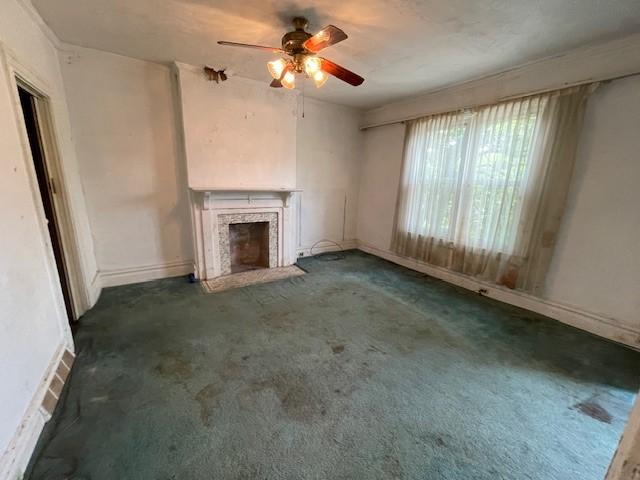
595,411
297,399
206,397
173,365
359,369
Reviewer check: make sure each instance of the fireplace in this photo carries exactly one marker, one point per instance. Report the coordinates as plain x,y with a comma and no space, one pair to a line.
241,230
249,246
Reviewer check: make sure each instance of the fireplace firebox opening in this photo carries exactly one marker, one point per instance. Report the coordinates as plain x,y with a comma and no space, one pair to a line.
249,246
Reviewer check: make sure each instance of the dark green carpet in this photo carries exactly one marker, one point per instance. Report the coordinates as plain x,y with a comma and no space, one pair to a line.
359,370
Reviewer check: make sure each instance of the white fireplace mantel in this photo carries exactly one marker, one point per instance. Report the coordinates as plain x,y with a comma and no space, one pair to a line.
208,205
246,189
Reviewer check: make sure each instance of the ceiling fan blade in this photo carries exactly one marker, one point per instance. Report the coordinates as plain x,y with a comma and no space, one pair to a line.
246,45
329,35
341,73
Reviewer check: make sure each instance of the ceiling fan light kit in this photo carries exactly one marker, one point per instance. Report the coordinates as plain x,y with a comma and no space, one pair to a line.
302,49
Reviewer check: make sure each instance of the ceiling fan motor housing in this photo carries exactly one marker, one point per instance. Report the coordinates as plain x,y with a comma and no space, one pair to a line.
292,41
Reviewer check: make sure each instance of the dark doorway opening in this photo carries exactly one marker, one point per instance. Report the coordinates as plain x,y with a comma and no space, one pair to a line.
46,187
249,245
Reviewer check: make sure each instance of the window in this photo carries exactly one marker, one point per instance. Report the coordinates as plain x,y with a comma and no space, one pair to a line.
480,188
470,174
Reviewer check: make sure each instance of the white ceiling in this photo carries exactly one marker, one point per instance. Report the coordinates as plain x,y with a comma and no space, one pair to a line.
401,47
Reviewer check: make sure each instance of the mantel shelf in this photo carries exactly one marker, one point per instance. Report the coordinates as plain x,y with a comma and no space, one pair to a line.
245,189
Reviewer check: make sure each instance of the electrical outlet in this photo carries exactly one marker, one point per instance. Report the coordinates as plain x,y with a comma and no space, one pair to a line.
300,254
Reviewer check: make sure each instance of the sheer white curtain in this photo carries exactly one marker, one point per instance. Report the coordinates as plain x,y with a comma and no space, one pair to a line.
475,185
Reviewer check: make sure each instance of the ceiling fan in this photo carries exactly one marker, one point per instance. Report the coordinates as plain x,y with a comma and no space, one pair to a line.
303,47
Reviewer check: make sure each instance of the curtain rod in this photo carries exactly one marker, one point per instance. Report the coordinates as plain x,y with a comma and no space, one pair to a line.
499,100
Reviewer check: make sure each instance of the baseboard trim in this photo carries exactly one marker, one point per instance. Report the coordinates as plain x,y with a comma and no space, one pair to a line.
593,323
326,247
15,458
125,276
95,288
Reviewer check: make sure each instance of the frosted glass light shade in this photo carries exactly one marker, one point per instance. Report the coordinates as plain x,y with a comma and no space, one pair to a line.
289,80
276,67
312,65
320,78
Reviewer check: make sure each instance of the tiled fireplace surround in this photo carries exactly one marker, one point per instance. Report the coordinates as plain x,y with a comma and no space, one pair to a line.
214,210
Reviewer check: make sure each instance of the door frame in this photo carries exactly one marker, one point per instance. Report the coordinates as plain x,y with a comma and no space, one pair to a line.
20,75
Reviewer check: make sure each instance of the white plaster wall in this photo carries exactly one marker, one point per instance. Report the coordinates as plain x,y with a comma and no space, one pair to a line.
329,154
124,124
33,322
596,265
238,134
380,177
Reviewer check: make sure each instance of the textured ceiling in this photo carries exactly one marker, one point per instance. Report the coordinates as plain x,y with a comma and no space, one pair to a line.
401,47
